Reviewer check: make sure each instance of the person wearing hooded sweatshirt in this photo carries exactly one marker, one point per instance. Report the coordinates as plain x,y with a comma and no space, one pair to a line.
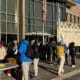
24,59
61,55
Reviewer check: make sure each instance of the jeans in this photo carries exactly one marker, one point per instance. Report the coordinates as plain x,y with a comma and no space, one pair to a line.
62,61
35,62
25,68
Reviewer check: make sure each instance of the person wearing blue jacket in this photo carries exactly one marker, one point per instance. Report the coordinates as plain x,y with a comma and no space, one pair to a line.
24,59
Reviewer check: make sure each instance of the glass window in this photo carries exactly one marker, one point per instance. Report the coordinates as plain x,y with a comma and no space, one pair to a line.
11,17
49,30
49,11
32,8
38,10
3,17
11,6
49,23
55,24
11,28
51,17
54,30
38,28
54,12
3,27
38,22
33,16
3,5
63,12
27,7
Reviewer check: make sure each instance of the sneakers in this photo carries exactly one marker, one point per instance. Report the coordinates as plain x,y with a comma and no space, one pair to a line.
52,64
62,71
59,77
73,66
35,77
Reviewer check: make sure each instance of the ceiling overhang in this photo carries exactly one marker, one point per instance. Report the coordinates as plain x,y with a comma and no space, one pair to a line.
70,3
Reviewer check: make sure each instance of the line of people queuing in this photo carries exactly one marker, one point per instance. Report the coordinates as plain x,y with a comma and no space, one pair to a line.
52,52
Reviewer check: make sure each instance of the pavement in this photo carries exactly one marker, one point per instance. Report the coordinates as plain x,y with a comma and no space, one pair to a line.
48,72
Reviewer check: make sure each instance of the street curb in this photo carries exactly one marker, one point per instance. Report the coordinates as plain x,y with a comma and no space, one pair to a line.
69,74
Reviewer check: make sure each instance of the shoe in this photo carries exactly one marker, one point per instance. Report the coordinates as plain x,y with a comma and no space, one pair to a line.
73,66
59,77
35,77
52,64
62,71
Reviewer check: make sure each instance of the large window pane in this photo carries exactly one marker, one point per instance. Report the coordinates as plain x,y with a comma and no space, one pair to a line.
27,5
3,27
63,12
11,17
49,30
49,11
32,8
38,22
3,5
54,11
11,7
38,28
38,10
11,28
3,17
49,23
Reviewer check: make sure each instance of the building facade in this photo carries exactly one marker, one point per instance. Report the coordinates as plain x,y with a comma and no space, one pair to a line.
70,29
18,18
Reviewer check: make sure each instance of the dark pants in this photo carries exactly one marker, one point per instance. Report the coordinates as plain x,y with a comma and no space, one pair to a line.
73,59
66,58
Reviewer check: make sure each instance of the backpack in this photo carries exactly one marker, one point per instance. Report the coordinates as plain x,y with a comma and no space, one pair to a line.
29,52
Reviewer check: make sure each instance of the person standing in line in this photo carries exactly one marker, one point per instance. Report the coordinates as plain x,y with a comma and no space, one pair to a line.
35,57
9,56
61,55
15,48
24,59
72,53
66,54
3,51
53,52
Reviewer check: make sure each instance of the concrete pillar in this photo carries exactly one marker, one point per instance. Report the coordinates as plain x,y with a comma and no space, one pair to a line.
21,19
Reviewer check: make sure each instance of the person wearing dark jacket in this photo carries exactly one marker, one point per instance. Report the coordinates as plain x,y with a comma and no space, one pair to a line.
35,57
72,53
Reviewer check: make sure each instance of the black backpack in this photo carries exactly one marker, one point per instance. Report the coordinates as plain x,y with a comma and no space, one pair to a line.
29,52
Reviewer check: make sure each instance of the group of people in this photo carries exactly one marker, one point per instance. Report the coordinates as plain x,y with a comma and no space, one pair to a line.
60,51
52,52
8,52
26,60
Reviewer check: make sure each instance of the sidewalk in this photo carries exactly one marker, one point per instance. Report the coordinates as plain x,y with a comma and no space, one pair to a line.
48,72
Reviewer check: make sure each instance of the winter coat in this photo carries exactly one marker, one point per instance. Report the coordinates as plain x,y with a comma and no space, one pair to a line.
72,49
22,50
35,50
